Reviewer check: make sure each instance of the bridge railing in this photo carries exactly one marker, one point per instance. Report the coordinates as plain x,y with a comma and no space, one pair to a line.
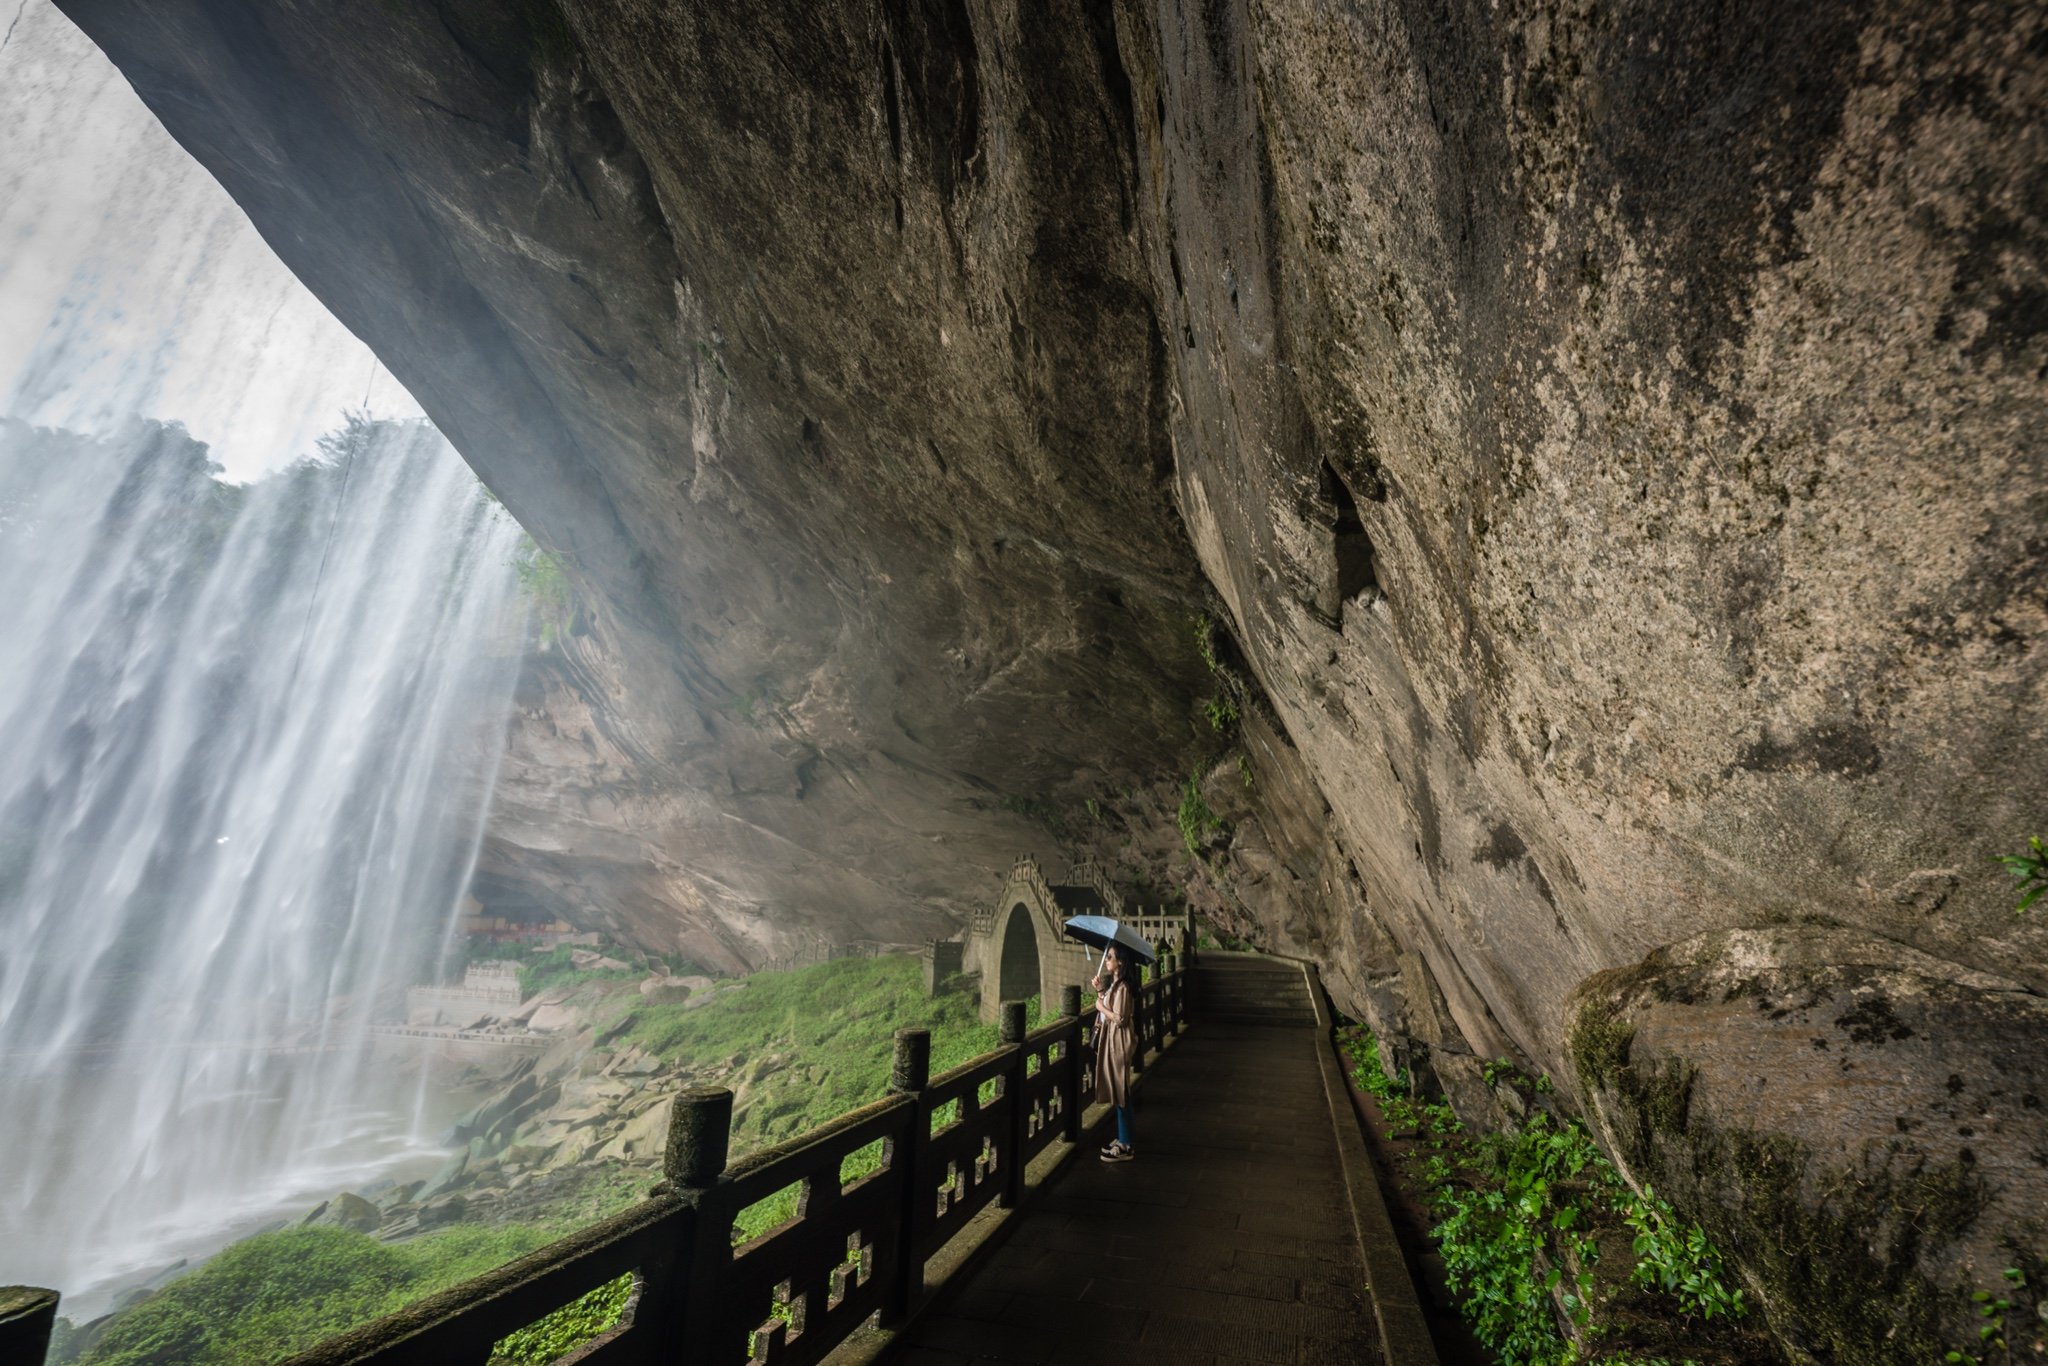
855,1246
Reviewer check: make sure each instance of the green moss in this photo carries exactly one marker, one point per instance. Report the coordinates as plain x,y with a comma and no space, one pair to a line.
1838,1264
1663,1093
1598,1042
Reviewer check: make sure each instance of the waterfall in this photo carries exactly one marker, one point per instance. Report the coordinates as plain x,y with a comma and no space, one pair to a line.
249,740
131,284
248,731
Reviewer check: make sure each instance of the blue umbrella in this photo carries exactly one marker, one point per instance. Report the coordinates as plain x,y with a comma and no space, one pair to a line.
1101,931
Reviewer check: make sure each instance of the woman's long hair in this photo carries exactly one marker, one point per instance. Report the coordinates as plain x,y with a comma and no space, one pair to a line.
1129,973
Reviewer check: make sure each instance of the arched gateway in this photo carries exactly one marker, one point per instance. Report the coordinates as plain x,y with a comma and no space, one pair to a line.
1017,950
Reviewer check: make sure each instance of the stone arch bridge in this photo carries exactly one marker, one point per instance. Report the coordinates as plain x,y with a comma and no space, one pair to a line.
1015,948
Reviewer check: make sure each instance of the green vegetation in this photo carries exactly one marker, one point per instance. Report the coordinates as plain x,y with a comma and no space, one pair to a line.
1043,812
817,1042
1205,643
546,586
278,1293
1677,1258
570,1326
1996,1310
1222,713
1197,821
2030,871
558,969
1519,1215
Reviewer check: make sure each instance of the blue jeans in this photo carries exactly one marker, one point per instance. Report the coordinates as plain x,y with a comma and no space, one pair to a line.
1123,1125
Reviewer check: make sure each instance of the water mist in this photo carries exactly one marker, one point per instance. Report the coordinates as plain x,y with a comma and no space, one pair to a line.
250,738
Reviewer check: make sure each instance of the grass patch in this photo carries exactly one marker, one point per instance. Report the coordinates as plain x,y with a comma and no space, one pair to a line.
815,1042
557,969
570,1326
278,1293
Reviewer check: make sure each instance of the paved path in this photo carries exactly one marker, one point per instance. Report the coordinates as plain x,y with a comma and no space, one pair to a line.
1229,1239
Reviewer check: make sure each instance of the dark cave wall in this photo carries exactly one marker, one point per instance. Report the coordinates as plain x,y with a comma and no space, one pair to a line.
1610,435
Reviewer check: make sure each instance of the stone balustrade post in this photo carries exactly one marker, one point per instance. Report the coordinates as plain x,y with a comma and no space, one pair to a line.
28,1314
909,1073
1010,1030
699,1138
699,1142
911,1069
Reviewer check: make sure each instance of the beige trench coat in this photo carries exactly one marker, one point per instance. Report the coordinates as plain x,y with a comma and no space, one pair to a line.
1116,1039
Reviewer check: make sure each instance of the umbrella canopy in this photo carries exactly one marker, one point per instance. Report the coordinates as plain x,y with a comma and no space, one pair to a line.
1102,931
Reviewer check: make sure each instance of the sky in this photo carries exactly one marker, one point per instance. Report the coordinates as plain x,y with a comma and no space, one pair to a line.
130,284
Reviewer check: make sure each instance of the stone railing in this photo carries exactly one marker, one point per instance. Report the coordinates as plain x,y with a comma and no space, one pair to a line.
1089,873
810,955
854,1250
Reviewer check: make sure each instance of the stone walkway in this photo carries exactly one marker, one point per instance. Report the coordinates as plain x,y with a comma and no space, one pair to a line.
1228,1240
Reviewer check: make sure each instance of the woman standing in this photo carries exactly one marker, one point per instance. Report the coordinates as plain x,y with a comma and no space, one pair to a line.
1116,1043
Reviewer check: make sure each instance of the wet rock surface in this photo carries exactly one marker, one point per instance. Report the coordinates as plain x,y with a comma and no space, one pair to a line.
1856,1123
1609,439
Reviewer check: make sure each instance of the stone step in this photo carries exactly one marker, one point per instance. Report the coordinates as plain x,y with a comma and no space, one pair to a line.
1246,990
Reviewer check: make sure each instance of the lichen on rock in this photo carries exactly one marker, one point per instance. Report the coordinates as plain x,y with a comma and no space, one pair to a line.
1857,1125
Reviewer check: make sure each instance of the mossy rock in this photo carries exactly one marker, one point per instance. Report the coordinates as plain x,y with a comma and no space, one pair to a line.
1857,1125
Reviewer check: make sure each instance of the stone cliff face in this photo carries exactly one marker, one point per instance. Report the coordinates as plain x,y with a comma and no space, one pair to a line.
1611,437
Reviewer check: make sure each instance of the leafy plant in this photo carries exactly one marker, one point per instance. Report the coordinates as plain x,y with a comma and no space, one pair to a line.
546,586
1222,713
570,1326
1677,1259
1197,821
1205,643
2030,871
1498,1070
1244,771
1993,1308
1517,1212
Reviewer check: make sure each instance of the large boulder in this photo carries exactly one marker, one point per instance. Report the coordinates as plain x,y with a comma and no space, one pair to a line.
1860,1126
347,1211
663,991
